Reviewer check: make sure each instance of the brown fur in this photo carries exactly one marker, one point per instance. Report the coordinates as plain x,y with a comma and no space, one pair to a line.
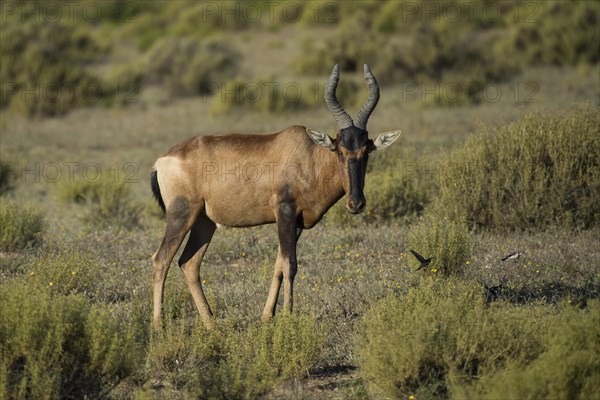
290,178
248,180
242,178
241,181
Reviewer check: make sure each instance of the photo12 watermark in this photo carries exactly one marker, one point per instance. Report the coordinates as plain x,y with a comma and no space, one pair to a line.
208,12
265,91
249,12
69,171
489,12
469,92
65,92
68,11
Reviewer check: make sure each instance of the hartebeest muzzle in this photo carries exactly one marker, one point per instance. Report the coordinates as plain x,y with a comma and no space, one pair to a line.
357,168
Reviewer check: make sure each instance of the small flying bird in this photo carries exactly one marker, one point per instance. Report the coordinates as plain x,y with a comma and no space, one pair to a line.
512,256
424,261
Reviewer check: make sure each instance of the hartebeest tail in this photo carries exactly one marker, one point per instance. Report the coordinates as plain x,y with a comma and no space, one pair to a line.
156,191
290,178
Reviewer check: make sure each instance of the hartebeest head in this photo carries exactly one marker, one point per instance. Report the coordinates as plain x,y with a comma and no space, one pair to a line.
352,143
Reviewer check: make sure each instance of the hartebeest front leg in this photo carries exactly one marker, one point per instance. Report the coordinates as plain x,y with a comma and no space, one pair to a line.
286,263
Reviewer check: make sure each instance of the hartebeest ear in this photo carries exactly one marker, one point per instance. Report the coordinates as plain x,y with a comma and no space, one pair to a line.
320,138
385,139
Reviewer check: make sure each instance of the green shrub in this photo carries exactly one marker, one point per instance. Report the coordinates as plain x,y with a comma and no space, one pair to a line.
190,66
43,66
440,334
540,171
448,242
269,95
186,357
159,20
398,17
20,226
232,362
468,44
266,354
391,195
352,45
61,347
568,368
107,202
419,43
124,81
82,191
554,33
65,270
463,56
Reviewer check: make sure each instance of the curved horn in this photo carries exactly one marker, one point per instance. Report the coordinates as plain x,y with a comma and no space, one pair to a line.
362,116
342,118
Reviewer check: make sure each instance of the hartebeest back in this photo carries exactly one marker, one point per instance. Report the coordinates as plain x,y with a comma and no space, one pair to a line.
290,178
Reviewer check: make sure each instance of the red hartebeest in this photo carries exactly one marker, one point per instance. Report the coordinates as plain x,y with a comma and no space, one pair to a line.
290,178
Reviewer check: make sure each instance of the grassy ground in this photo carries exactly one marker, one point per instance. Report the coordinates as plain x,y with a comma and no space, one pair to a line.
348,269
343,270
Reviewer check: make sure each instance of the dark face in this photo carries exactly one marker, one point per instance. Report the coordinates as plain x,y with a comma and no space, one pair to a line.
353,146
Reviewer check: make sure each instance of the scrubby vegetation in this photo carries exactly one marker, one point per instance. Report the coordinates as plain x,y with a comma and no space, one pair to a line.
568,367
447,241
43,67
21,226
190,66
234,363
447,343
468,44
268,95
52,344
543,170
106,201
466,185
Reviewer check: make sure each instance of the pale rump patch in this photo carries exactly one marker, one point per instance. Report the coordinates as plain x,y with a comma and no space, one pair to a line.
171,177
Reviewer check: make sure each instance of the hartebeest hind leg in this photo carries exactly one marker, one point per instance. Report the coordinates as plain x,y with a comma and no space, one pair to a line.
286,264
180,218
201,233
